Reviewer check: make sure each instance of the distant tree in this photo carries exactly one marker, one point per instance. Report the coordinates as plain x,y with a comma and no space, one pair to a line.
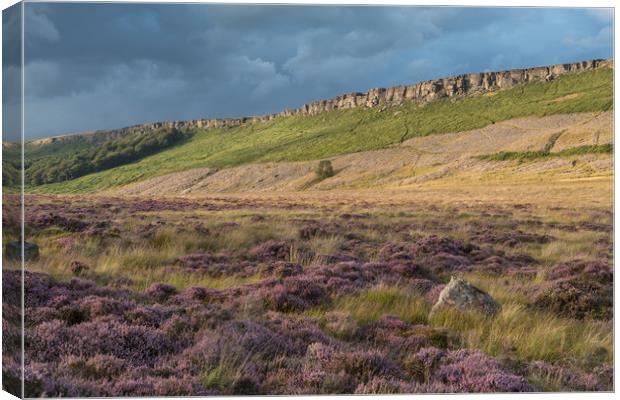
117,152
324,170
10,174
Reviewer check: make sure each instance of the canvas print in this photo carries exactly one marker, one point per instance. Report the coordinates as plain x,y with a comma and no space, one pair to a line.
219,199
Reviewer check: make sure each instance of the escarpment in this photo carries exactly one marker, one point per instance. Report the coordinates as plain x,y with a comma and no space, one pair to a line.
420,93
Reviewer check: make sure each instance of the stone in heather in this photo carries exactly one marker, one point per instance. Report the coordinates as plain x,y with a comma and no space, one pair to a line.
463,296
13,251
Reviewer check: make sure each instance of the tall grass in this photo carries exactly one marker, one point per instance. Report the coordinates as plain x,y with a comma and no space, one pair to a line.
531,335
372,304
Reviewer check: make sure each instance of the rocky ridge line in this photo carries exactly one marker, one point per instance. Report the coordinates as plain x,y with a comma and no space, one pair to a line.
422,92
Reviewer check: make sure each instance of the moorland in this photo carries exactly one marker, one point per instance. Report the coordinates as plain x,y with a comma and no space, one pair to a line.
304,254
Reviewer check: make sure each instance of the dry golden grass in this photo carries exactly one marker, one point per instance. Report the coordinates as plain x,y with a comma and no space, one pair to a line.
531,335
381,300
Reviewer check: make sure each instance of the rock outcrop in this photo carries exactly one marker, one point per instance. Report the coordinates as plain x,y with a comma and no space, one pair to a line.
463,296
422,92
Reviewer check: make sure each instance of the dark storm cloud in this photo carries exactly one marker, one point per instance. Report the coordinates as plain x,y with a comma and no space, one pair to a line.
11,73
94,66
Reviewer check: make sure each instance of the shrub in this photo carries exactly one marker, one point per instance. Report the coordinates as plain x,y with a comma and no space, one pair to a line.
161,291
577,298
324,170
466,371
295,294
578,289
270,250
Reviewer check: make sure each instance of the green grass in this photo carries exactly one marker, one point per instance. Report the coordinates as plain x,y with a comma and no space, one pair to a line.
536,155
374,303
299,138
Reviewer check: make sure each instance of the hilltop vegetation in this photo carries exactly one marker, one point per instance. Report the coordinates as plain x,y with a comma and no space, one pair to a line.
10,173
59,145
324,135
126,149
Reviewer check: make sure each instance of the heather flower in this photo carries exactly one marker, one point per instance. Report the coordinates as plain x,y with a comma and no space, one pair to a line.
295,294
325,362
197,293
100,366
571,379
300,331
270,250
280,269
95,306
510,239
160,291
433,244
473,371
143,315
600,272
577,298
430,356
81,284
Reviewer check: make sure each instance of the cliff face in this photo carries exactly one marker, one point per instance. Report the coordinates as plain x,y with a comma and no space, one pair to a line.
422,92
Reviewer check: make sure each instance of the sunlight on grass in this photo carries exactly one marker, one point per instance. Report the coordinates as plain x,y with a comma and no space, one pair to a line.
533,335
183,280
381,300
571,245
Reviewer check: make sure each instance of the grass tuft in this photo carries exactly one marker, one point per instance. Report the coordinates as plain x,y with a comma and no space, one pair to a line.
372,304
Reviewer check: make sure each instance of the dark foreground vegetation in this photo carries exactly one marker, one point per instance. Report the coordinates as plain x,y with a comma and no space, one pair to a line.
240,296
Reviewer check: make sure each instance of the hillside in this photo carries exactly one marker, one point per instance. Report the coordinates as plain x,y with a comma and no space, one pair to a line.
344,131
435,159
73,164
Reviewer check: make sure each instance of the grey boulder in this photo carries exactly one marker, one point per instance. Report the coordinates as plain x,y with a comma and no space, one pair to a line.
463,296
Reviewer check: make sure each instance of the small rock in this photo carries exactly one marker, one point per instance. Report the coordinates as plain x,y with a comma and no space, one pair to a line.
463,296
12,251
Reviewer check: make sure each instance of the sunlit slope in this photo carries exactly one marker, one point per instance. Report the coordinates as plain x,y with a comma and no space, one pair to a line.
340,132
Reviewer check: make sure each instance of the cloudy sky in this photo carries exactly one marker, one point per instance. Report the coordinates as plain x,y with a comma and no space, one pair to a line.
98,66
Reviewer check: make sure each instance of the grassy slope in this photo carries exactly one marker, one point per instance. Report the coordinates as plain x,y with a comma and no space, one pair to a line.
346,131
